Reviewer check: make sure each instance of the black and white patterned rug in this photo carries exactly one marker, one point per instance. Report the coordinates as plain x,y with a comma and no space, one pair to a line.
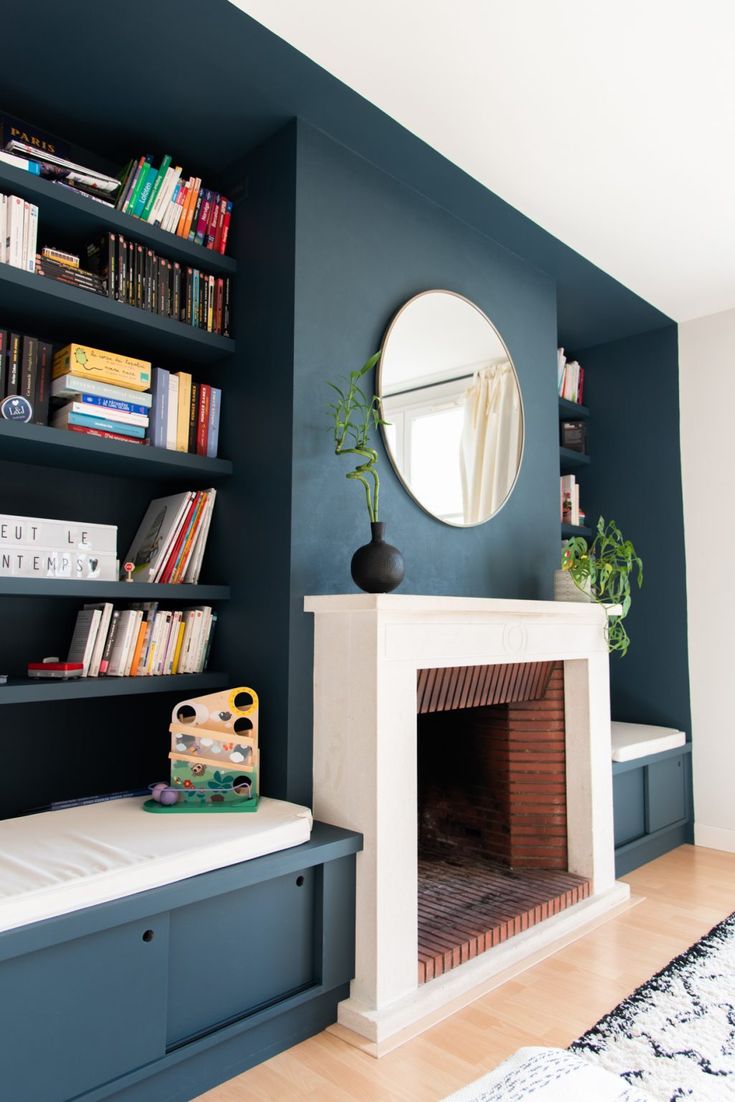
674,1037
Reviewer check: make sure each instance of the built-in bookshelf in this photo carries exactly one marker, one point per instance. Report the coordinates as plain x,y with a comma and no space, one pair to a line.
71,476
40,304
571,461
73,215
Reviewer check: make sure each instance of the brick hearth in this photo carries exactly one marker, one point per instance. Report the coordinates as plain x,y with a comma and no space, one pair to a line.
467,905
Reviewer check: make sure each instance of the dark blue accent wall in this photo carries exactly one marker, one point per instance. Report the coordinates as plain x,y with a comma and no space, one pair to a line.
632,389
341,217
364,244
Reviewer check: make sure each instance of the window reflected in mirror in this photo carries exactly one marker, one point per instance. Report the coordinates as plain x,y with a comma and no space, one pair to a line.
450,393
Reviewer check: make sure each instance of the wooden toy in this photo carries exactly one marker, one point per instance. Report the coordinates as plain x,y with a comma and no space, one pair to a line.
214,755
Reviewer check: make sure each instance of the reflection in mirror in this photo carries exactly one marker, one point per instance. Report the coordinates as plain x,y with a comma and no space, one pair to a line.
450,392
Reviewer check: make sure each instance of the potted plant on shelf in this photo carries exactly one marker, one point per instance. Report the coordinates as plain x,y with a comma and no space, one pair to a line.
377,567
602,571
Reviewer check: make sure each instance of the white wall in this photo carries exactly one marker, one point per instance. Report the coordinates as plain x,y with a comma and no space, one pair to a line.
707,394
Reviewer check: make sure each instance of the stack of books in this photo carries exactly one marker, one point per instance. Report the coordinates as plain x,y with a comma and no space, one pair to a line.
18,232
136,275
156,194
65,268
185,415
170,542
141,640
159,195
25,370
27,147
569,501
99,393
570,378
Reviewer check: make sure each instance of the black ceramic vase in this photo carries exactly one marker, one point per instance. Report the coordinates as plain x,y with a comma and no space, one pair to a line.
377,567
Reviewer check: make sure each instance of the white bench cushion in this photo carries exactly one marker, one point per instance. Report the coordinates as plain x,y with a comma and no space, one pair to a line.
636,740
61,861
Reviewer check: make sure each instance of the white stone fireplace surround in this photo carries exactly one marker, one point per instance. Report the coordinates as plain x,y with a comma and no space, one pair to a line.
367,651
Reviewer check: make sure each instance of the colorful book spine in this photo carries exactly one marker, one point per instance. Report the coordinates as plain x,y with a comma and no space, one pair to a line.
98,401
84,421
159,409
103,435
215,401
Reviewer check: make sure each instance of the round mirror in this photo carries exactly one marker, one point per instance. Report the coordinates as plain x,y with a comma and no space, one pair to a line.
450,393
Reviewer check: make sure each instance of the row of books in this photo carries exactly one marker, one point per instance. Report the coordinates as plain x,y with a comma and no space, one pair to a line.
185,415
120,269
68,271
573,436
136,275
170,542
18,232
182,207
157,195
25,370
141,640
570,378
99,393
570,510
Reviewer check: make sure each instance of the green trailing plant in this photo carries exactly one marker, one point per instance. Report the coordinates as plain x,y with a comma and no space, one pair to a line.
355,417
604,569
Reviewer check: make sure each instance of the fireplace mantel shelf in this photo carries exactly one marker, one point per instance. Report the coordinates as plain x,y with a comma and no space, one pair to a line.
585,611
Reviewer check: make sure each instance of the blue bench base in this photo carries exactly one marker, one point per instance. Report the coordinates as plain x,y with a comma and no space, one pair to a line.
166,993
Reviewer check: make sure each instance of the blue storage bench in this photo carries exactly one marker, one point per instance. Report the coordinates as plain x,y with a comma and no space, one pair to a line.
163,993
652,793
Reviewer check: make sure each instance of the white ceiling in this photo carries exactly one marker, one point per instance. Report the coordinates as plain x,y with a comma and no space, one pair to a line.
609,124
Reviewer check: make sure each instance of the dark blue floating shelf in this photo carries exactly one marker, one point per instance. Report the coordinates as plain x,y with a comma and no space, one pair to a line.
45,308
572,411
73,451
27,690
568,530
569,459
73,215
114,591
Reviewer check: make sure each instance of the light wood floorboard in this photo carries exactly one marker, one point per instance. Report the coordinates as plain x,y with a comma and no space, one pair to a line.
686,893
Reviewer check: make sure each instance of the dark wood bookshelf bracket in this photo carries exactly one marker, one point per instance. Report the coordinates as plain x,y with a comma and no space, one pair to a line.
49,447
115,591
572,411
570,460
29,691
569,530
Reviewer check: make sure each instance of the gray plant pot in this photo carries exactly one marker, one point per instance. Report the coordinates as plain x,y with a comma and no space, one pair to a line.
565,588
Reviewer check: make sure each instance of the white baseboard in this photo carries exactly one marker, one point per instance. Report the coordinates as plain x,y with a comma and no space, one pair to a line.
714,838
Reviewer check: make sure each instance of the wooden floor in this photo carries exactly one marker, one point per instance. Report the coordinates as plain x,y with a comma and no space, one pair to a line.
686,893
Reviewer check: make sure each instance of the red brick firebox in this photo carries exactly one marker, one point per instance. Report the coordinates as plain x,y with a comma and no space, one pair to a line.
492,808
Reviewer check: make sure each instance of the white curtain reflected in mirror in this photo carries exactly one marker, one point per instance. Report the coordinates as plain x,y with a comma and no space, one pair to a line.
450,392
